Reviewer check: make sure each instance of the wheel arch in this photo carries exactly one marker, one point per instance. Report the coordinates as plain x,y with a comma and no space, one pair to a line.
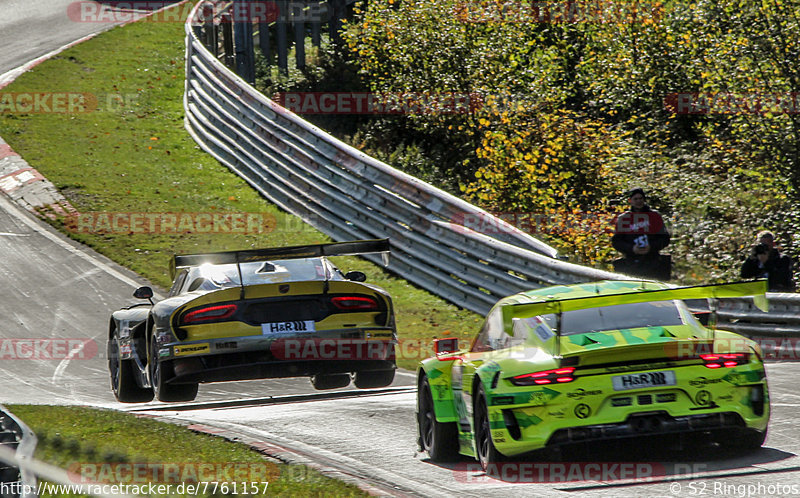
439,378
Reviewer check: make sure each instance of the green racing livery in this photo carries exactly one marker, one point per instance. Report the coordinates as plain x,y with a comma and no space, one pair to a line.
589,362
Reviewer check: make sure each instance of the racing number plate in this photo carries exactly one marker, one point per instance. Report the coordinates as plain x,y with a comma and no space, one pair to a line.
641,380
299,326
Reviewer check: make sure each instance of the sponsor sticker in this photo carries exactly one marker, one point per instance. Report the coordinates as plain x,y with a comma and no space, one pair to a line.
384,335
583,411
190,349
288,327
580,393
226,345
702,381
642,380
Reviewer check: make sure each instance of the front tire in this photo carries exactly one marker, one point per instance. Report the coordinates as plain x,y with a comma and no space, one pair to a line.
123,382
487,454
163,391
373,378
438,439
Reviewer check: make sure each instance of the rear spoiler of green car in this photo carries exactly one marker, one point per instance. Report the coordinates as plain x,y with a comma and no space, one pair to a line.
352,248
756,289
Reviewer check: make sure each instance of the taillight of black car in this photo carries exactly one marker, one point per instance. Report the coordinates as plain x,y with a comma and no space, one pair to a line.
207,314
355,303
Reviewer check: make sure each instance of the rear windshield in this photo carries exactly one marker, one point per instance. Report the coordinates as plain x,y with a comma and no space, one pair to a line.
211,277
621,316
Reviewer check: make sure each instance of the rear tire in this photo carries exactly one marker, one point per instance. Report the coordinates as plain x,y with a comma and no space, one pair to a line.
487,454
330,381
123,382
438,439
163,391
373,378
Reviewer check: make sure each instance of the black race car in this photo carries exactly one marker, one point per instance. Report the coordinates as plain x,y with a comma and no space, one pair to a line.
254,314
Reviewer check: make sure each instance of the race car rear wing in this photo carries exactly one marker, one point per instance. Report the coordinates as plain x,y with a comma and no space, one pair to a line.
352,248
755,289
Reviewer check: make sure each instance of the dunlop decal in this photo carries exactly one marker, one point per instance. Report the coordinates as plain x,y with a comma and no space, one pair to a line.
190,349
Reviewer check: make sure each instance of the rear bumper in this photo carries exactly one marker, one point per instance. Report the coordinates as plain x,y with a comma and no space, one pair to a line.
649,424
227,368
260,357
729,401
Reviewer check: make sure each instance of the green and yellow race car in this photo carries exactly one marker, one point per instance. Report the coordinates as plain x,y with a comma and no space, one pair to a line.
589,362
255,314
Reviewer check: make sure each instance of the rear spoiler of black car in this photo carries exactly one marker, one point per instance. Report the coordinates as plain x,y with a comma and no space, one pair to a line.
352,248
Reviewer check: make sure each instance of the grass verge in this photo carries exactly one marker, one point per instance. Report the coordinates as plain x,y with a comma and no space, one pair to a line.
132,155
98,444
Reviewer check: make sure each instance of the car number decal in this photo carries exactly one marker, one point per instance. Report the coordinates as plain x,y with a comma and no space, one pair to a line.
646,379
287,327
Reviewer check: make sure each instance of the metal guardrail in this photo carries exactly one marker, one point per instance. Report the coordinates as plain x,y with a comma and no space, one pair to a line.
18,440
741,316
348,195
19,469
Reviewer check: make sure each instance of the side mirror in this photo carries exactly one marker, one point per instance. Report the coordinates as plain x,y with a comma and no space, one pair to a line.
445,345
143,293
356,276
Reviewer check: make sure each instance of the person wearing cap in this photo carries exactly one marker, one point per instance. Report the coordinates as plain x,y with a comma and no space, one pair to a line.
640,234
766,261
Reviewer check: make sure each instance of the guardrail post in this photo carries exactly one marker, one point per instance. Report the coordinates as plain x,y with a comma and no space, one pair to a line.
243,35
227,39
280,33
337,11
298,13
263,41
210,36
315,10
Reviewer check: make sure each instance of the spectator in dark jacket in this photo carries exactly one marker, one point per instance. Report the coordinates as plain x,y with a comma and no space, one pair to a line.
640,234
765,261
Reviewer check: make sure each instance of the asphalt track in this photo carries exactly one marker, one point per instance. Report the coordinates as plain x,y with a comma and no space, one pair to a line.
32,28
52,289
375,436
